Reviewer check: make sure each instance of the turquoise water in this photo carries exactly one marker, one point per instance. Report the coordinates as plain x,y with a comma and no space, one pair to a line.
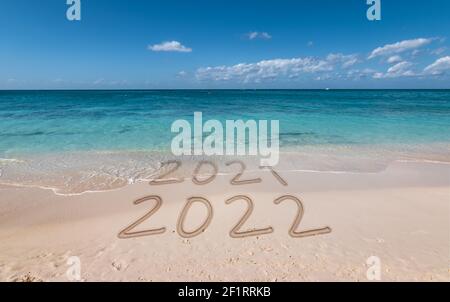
42,121
51,132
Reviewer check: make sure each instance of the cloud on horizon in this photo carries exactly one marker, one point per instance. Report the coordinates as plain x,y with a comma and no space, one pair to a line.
336,66
276,68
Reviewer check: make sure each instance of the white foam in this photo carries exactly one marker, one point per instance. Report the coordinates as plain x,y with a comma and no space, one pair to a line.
11,160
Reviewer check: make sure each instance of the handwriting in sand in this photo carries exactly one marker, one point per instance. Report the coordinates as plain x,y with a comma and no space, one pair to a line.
236,231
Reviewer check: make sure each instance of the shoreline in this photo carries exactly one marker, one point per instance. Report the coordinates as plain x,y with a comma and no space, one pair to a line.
400,162
77,173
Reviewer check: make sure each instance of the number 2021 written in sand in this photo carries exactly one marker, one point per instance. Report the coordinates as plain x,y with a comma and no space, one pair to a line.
236,231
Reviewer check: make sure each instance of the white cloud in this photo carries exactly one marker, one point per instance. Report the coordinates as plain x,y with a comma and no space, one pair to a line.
174,46
276,68
345,60
252,35
99,81
266,35
182,74
267,69
439,66
258,35
103,82
394,59
360,74
399,47
401,69
439,51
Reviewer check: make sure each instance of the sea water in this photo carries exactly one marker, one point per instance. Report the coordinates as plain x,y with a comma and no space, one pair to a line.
76,141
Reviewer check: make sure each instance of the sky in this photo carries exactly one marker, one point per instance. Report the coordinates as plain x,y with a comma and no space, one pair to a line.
208,44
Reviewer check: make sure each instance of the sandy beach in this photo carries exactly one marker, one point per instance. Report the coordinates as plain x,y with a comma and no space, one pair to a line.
400,215
252,143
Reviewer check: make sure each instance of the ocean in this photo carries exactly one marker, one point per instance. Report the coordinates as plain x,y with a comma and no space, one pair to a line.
75,141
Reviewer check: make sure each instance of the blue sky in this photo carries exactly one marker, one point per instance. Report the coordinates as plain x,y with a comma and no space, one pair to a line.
122,44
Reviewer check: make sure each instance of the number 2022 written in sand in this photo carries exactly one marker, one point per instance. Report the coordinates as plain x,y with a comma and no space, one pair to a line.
236,231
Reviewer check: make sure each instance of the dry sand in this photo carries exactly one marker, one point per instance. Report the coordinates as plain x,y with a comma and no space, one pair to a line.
401,216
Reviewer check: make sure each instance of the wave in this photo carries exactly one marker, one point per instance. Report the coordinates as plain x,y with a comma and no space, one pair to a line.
10,160
75,173
427,161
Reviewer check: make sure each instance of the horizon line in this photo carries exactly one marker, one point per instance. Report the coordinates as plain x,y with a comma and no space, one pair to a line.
219,89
